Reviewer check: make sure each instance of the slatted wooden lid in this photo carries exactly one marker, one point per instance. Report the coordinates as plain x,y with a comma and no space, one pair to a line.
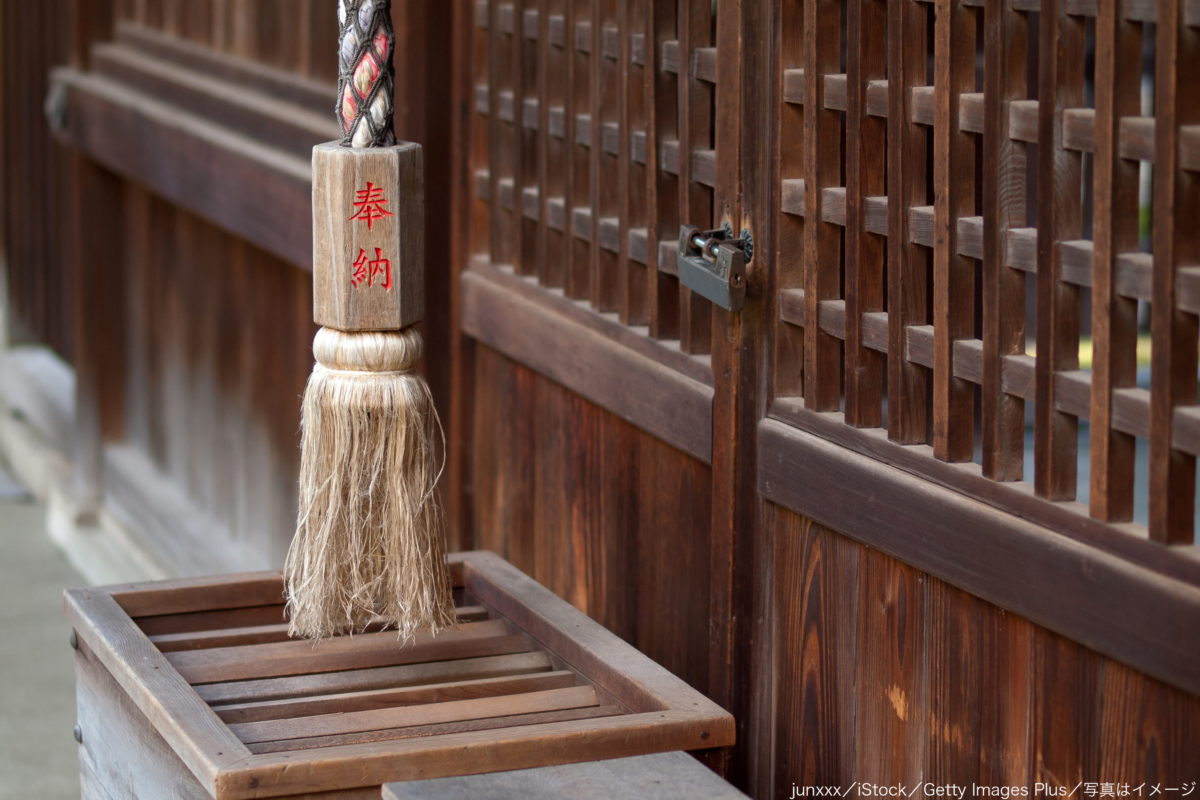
524,680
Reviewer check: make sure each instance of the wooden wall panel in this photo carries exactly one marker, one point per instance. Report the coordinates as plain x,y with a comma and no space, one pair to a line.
216,357
602,513
34,186
942,687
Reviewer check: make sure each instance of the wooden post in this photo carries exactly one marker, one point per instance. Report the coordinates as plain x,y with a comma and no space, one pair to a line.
368,237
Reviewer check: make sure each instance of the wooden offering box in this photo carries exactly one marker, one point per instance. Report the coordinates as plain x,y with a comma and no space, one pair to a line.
192,689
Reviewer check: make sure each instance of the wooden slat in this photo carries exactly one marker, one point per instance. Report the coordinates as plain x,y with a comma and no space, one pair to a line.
953,191
1002,416
695,136
632,278
280,659
185,595
424,714
374,699
606,93
1060,85
793,85
1174,332
907,262
269,632
822,168
494,724
1114,231
662,191
578,96
551,173
177,624
359,680
792,196
865,177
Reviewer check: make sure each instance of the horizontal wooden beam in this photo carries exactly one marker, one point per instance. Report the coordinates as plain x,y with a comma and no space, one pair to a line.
283,85
285,125
257,192
651,385
1129,612
1131,405
1069,518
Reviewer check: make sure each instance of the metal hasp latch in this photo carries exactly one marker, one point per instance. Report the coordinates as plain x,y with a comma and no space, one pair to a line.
713,264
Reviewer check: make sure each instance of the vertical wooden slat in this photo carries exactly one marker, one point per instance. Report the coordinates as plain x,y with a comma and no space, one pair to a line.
497,163
890,674
1114,231
1002,415
695,202
806,558
1060,86
907,262
953,649
552,149
1063,735
822,240
789,162
579,92
1174,331
1006,686
865,147
631,176
500,165
953,198
607,98
662,126
524,66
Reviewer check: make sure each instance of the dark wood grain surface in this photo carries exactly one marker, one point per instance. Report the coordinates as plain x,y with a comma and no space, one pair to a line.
945,203
948,688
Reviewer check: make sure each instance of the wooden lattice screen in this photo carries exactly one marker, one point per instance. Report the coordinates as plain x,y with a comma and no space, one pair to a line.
1015,132
578,146
938,265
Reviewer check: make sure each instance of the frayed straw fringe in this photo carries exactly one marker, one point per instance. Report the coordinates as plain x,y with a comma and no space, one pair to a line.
369,541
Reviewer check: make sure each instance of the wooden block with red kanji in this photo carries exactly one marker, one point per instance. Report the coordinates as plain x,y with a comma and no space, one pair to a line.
368,237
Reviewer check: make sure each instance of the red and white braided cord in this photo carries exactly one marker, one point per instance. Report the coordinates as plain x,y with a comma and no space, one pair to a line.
365,73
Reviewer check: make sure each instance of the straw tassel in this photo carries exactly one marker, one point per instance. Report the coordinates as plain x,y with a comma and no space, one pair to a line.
369,547
369,543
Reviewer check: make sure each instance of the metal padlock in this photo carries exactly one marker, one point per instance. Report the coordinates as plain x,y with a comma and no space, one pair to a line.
713,264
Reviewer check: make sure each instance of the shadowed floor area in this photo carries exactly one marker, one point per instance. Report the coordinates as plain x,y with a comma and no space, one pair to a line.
37,684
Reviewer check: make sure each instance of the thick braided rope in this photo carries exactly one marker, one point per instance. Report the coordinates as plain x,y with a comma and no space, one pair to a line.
365,73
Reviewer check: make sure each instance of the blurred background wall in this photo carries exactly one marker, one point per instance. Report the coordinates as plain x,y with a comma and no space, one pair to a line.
154,220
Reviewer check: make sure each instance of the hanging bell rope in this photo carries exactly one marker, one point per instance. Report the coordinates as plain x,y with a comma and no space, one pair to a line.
366,75
369,547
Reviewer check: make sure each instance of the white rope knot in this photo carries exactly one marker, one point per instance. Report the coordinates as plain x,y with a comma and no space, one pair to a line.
371,352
